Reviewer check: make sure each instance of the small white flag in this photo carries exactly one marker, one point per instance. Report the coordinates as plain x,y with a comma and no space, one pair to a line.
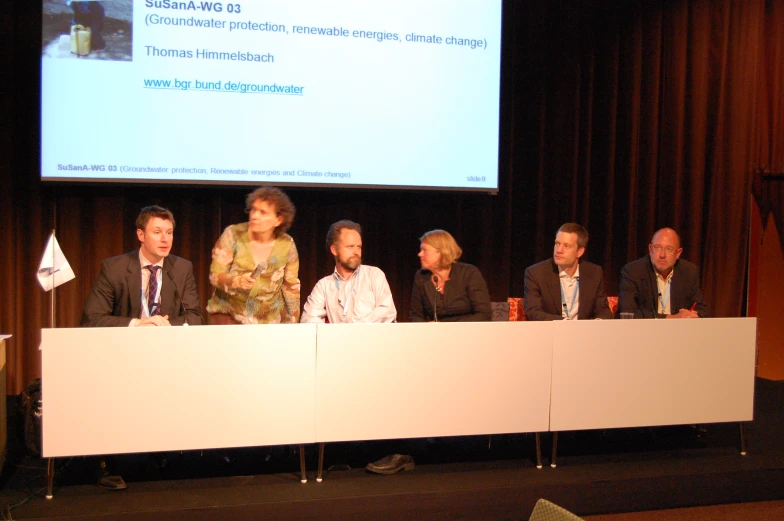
54,269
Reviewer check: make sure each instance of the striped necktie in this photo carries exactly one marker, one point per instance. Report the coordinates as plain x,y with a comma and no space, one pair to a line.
152,291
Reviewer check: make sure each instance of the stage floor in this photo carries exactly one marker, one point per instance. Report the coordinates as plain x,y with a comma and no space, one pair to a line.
476,477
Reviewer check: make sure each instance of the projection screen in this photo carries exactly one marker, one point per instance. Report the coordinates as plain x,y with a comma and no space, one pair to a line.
361,93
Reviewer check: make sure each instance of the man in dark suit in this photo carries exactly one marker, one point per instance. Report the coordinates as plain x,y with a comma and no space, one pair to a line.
661,284
566,287
145,287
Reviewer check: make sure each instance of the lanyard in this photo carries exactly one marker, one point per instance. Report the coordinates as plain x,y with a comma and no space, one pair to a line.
567,312
665,299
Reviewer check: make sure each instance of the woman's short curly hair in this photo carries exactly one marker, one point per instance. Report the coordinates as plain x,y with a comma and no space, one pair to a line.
443,242
276,197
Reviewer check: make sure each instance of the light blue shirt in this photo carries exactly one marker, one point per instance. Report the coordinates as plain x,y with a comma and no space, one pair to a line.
364,297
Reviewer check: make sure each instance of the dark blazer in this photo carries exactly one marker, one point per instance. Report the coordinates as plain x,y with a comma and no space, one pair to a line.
465,297
640,295
542,294
115,298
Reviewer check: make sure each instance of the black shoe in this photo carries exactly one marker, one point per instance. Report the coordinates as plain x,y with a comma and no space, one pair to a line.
107,481
391,464
112,482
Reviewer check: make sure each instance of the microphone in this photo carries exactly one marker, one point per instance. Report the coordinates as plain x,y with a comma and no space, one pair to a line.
176,296
435,299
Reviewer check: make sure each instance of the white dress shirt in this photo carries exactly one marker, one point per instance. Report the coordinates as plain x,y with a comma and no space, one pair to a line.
570,293
363,297
144,312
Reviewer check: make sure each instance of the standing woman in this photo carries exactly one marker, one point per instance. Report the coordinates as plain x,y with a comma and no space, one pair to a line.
445,289
255,265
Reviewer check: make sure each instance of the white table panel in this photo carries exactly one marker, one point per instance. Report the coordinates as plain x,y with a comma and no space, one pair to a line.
118,390
630,373
385,381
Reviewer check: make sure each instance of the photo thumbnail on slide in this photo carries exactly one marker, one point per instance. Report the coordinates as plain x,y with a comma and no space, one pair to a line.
89,30
347,92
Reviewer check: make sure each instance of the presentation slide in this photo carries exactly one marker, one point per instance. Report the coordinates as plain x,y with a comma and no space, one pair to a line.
362,93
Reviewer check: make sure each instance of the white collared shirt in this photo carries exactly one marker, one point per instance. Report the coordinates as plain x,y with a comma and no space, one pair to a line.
570,291
363,297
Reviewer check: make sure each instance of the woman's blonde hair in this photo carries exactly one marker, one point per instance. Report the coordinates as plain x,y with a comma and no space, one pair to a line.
443,242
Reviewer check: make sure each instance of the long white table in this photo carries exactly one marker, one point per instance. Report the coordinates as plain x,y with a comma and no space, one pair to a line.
633,373
115,390
120,390
376,381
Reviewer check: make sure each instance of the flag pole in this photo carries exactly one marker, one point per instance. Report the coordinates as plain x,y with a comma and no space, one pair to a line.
54,255
53,270
54,288
50,461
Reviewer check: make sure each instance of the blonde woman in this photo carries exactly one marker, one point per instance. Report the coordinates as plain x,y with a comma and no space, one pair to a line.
446,290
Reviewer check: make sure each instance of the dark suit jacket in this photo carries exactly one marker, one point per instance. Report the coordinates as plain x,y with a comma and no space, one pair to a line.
465,297
115,298
543,292
640,295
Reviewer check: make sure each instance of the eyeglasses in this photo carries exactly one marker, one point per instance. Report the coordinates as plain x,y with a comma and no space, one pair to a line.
668,249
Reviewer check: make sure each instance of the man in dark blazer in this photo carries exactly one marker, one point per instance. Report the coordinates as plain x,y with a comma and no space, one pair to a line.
145,287
121,294
565,287
661,284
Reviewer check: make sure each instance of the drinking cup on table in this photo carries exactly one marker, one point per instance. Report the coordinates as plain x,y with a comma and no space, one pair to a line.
627,315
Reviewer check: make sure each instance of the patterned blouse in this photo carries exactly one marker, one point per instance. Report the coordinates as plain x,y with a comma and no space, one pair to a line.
274,298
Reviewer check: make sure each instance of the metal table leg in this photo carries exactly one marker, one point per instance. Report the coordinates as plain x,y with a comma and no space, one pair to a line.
321,462
742,439
303,477
555,449
49,478
538,450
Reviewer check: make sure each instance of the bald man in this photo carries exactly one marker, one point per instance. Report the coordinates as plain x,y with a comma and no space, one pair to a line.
661,284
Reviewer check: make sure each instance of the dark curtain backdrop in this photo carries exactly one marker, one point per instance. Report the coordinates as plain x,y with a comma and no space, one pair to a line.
769,178
623,116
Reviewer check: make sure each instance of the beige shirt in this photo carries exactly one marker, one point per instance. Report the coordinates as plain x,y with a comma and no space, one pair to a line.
664,284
